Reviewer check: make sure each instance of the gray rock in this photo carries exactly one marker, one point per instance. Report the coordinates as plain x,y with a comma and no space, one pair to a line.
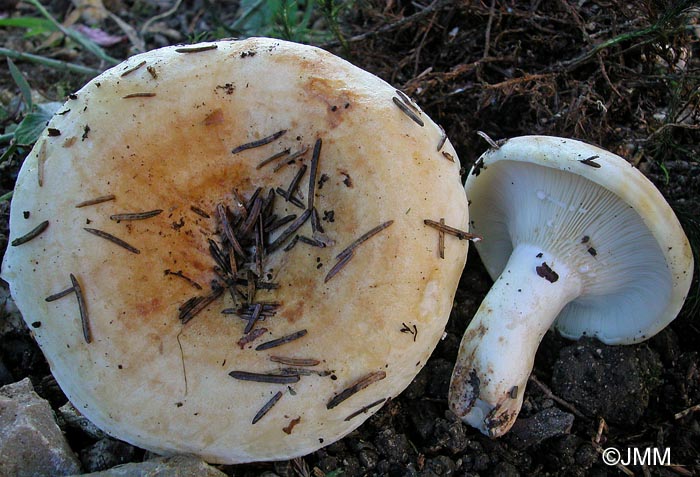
31,444
75,420
106,453
545,424
177,466
12,321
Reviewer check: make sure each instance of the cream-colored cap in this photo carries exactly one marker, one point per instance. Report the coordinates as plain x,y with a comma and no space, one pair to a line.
187,131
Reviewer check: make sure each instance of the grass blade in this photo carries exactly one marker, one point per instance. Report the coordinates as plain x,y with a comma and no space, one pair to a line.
77,37
50,62
19,79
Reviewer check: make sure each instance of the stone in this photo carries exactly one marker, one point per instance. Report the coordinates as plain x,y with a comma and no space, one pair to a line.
106,453
176,466
31,443
12,321
545,424
75,420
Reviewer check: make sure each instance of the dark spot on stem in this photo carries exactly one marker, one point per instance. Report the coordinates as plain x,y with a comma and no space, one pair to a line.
547,273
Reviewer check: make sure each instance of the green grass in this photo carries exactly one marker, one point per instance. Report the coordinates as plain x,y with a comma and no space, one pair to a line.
303,21
34,121
45,26
33,26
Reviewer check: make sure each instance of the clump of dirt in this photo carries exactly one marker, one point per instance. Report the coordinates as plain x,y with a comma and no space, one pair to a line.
612,382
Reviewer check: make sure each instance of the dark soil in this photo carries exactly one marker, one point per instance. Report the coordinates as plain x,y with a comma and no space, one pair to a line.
622,75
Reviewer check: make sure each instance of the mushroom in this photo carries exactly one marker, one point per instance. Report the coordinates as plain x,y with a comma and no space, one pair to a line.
235,263
574,237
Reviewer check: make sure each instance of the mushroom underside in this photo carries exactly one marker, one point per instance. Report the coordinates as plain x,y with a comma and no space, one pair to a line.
563,251
626,282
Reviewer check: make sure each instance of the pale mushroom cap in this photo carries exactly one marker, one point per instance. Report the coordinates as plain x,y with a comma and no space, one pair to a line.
150,381
598,213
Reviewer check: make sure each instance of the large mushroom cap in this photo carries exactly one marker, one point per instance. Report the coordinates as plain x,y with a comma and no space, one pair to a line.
180,136
595,211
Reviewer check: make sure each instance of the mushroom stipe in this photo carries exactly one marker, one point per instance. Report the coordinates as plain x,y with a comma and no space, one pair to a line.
541,207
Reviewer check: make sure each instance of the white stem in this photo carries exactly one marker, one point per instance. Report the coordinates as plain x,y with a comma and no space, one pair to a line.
498,348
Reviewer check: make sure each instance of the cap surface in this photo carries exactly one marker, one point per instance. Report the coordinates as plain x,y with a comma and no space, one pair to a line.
183,130
600,215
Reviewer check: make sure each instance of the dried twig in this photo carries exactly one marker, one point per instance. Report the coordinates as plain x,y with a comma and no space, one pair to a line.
685,412
435,6
548,392
147,24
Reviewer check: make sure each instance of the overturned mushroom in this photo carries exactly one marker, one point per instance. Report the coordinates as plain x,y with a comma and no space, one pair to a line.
574,237
223,314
